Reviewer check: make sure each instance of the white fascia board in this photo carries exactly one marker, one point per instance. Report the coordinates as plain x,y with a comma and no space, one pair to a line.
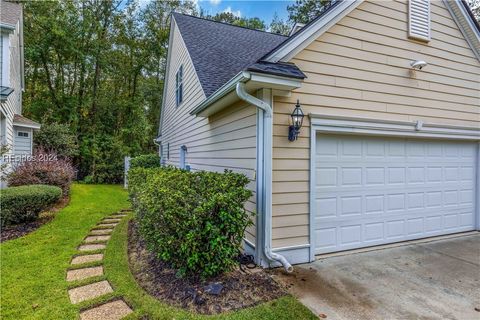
353,125
167,71
23,125
217,95
254,81
308,34
7,27
465,24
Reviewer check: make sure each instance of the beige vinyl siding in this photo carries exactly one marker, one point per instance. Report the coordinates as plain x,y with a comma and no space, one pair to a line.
360,68
226,140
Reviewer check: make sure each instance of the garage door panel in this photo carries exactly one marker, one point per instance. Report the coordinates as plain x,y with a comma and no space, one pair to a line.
372,191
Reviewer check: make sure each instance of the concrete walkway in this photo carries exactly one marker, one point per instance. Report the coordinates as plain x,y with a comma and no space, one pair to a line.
87,269
429,280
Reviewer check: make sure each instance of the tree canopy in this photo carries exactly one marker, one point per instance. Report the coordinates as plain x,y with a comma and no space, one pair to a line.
95,72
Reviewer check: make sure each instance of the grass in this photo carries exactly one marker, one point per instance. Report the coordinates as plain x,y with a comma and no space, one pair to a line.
118,273
33,267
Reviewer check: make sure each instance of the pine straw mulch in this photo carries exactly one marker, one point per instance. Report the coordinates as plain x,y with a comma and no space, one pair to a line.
22,229
240,289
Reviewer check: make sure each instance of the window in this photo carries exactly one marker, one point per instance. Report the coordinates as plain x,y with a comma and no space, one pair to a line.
5,59
179,86
183,155
168,151
419,19
23,134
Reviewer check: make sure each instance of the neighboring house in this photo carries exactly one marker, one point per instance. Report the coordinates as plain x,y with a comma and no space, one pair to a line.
16,131
389,147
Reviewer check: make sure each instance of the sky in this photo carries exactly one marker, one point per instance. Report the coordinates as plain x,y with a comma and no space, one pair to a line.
264,9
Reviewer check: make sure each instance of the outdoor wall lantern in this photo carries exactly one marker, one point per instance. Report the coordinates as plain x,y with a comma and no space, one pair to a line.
297,121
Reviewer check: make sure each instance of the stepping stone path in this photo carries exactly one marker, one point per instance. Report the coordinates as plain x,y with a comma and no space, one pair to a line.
96,240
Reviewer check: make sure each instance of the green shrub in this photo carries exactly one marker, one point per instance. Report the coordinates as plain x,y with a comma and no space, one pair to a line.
24,203
56,137
145,161
193,220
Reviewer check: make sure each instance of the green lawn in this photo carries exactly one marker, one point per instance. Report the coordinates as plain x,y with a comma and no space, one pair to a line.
33,268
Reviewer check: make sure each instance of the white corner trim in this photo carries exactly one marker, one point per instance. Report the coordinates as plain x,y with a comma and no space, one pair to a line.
478,187
311,32
351,125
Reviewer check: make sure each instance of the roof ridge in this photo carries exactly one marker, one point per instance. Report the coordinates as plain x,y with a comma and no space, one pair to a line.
229,24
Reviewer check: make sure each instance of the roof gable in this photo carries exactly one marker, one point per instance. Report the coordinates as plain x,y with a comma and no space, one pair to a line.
340,8
220,51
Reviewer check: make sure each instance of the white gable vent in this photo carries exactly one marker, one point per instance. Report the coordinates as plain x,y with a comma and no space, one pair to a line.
419,19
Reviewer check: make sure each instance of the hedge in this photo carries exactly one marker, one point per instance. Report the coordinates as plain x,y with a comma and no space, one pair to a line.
145,161
24,203
193,220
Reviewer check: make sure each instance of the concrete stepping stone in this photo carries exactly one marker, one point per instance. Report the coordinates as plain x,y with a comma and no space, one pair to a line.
84,273
90,239
111,220
112,225
117,216
90,247
90,291
100,232
114,310
87,258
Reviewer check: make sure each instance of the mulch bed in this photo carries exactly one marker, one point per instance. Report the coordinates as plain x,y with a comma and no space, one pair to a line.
19,230
240,289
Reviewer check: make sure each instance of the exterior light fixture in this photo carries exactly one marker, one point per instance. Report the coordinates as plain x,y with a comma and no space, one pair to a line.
297,121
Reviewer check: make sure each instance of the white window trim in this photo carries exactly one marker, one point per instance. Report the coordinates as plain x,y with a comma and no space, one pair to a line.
5,38
22,134
364,126
179,86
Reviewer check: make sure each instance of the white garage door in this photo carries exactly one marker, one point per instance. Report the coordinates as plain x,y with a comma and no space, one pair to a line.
377,190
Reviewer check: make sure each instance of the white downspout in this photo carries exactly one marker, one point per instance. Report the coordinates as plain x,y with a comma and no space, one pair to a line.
264,158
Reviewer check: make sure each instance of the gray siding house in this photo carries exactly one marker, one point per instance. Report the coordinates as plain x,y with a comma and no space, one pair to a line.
16,131
359,129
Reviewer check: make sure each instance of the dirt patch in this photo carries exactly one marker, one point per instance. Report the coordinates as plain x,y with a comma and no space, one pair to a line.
22,229
240,290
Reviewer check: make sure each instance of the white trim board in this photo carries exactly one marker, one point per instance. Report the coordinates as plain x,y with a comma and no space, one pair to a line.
363,126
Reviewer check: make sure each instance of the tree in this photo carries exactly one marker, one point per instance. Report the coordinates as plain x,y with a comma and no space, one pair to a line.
279,26
57,138
230,18
303,11
97,67
475,6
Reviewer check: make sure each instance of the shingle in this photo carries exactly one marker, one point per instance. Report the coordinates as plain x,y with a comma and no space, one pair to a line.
279,69
10,12
219,51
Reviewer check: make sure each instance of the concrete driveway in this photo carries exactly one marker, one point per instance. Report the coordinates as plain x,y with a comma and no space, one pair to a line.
429,280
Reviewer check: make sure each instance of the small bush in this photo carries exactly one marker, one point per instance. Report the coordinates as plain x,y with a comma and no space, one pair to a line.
193,220
43,168
22,204
56,137
145,161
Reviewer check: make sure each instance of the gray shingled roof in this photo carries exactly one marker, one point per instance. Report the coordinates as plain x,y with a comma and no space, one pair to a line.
219,51
10,12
